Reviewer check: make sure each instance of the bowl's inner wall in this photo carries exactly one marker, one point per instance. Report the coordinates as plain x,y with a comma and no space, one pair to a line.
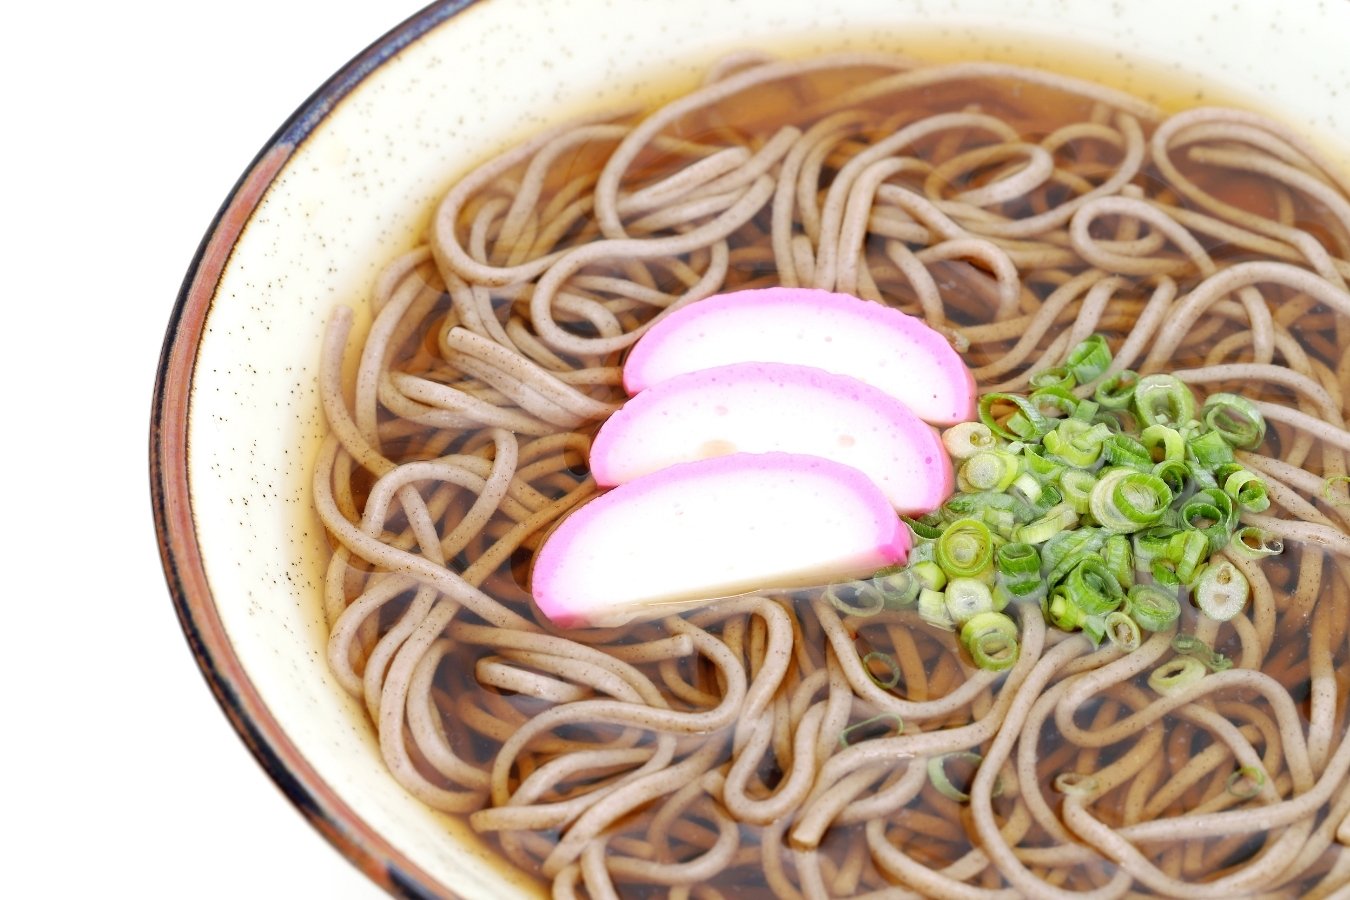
362,187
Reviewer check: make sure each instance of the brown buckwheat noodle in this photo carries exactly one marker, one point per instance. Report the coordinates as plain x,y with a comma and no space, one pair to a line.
760,746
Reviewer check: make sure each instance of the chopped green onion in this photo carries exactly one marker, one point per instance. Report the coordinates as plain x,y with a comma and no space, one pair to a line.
989,470
1118,554
1117,392
1077,443
933,610
1094,628
1210,450
980,505
1076,487
1152,543
1210,511
966,549
889,661
1050,400
967,598
965,439
1057,519
928,526
1174,473
1050,498
1163,400
1028,487
1187,551
1221,591
1192,646
1152,607
1086,411
1248,490
1329,488
1089,359
991,640
1200,475
1091,587
1254,543
1236,419
899,587
1019,561
1246,782
1102,509
1122,631
845,735
1125,500
856,598
1176,675
930,575
922,551
1163,443
1058,377
1164,572
1038,464
942,782
1062,612
1062,552
1123,450
1024,424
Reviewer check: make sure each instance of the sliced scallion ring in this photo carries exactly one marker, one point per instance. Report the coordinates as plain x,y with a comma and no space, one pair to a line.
856,598
1221,591
942,782
1246,783
1236,419
1163,400
1176,675
846,736
991,640
892,678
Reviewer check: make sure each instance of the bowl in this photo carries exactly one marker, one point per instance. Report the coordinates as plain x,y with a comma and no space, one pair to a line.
350,181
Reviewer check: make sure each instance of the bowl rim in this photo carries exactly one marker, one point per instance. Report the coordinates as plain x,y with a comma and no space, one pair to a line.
171,501
387,867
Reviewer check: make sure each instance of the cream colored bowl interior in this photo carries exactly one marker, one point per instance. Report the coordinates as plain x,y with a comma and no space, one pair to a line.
361,188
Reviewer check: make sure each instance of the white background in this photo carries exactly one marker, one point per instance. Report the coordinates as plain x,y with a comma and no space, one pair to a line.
124,127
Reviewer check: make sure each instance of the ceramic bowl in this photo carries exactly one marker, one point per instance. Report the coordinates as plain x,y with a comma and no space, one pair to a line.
350,181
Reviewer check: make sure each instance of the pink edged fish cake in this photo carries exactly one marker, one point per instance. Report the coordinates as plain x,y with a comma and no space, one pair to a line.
767,407
714,528
888,349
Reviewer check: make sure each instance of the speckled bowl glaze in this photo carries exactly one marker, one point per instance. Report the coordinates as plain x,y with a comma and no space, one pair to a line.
350,181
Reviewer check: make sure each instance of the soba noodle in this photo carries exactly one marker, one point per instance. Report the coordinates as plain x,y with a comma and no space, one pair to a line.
761,745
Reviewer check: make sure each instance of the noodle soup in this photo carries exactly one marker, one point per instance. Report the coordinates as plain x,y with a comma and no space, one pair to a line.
781,744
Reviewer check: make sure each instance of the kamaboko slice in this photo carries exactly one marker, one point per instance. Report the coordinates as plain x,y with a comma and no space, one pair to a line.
874,343
700,531
768,407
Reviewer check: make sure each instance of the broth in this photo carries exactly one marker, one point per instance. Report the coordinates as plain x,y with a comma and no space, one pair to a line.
814,778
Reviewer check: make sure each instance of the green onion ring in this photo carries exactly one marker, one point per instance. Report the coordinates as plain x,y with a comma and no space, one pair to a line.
1176,675
1117,392
966,549
1163,400
937,773
1153,608
1221,591
1236,419
856,598
890,663
881,717
1254,778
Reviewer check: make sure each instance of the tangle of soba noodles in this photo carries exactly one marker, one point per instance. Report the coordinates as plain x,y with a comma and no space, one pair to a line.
752,746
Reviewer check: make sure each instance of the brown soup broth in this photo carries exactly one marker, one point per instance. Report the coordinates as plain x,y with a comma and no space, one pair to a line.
1190,770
